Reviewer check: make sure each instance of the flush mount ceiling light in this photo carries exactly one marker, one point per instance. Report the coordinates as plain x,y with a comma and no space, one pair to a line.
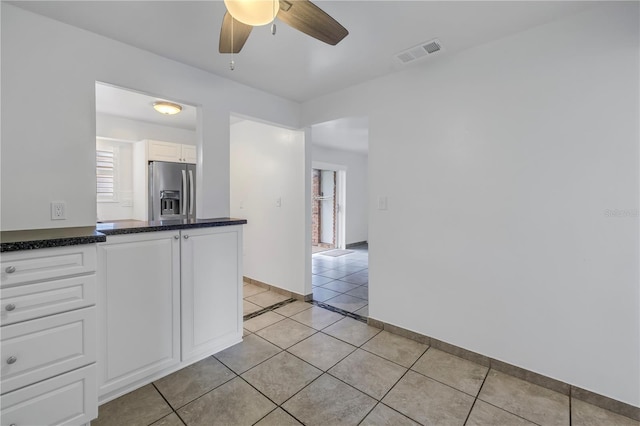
167,108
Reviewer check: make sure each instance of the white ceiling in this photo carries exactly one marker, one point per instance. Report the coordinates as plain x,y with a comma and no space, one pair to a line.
350,134
291,64
294,65
137,106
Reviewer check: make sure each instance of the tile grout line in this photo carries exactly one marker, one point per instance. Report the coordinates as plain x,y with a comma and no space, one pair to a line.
169,404
570,402
498,407
323,371
398,381
475,399
261,362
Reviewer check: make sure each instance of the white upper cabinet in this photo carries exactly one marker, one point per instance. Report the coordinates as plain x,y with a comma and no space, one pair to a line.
172,152
189,154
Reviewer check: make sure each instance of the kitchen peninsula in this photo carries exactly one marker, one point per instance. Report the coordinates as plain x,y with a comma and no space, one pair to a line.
124,303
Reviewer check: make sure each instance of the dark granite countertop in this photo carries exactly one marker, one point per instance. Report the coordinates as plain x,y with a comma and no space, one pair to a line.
118,227
59,237
43,238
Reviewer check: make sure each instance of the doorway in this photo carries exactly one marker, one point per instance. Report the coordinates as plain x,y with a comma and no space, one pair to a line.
327,208
323,210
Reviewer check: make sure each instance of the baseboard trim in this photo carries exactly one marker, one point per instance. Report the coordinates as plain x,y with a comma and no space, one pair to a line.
276,289
601,401
359,243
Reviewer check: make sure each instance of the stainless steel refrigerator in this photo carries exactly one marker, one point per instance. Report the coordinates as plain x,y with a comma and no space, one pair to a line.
172,191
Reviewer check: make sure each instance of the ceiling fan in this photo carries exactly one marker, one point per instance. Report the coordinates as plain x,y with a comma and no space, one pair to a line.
243,15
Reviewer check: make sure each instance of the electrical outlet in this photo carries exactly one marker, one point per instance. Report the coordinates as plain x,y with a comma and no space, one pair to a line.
278,202
58,210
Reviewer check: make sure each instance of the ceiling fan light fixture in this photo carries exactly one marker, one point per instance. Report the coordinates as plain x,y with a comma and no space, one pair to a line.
167,108
253,12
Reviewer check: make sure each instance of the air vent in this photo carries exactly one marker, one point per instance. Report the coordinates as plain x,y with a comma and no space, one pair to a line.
420,51
431,47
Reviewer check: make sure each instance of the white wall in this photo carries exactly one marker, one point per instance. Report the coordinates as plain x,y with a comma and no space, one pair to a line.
500,164
111,126
357,193
267,165
43,59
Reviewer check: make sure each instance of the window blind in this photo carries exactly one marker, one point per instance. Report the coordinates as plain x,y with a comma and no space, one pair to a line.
105,173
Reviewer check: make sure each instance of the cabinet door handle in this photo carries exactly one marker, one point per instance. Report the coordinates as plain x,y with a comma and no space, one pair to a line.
10,307
11,360
186,237
177,237
10,269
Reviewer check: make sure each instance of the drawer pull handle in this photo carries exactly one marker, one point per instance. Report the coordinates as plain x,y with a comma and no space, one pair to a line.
10,269
10,307
186,237
11,360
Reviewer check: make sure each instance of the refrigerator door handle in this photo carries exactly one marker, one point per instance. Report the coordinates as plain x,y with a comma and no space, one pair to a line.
191,194
184,192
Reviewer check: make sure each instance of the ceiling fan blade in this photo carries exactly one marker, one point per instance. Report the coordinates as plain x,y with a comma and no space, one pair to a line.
310,19
240,31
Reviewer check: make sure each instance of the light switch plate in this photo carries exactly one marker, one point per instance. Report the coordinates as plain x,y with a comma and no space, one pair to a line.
382,203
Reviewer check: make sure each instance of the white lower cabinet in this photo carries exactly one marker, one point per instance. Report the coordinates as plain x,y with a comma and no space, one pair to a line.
68,399
46,347
48,336
138,307
211,290
165,300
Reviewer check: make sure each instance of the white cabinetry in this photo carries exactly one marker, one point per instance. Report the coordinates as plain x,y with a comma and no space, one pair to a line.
166,300
48,336
138,307
189,154
211,290
172,152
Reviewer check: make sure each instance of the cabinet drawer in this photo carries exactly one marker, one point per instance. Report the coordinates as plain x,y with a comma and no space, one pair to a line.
29,301
69,399
44,264
41,348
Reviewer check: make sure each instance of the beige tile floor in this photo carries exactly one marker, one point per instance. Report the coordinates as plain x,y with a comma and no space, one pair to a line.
301,364
343,281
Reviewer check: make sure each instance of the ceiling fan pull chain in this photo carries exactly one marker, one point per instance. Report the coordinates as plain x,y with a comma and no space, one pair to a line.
232,64
275,13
